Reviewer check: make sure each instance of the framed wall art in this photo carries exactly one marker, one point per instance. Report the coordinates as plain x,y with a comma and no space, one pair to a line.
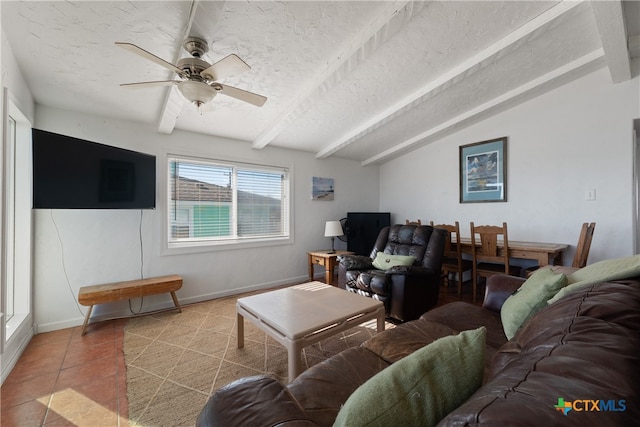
483,171
322,188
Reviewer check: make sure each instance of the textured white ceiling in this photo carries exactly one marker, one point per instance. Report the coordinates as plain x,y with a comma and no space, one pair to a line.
362,80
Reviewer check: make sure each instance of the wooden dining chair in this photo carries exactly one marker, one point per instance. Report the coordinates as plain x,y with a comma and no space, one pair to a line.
452,262
584,244
582,248
487,258
416,222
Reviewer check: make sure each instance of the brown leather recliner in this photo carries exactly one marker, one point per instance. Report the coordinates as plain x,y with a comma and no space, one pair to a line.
406,291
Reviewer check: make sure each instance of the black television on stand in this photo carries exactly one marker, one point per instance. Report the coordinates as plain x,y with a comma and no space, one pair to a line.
71,173
362,229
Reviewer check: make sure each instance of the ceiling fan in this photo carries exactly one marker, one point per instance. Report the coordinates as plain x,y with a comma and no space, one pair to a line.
198,81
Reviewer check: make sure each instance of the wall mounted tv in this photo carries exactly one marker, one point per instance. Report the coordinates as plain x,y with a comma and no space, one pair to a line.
70,173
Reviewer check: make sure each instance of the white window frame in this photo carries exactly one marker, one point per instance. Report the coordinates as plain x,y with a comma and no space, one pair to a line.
227,243
16,235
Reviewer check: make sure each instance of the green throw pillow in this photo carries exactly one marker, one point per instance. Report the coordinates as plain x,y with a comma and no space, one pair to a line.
603,271
529,298
385,261
422,388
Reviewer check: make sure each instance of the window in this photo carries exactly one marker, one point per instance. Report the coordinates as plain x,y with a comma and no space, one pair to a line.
15,263
216,202
9,301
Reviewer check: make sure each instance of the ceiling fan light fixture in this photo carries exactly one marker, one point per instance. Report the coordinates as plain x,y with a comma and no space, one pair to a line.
197,92
198,80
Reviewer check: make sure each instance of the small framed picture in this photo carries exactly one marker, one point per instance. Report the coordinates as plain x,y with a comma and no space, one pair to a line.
483,171
322,188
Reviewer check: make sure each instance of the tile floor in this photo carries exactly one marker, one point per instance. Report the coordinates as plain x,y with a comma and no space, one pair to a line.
66,379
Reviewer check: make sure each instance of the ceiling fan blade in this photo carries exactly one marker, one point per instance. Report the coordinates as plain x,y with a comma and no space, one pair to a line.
228,66
243,95
150,84
150,56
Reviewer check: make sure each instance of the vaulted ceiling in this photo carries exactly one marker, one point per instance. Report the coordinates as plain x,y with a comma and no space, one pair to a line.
364,80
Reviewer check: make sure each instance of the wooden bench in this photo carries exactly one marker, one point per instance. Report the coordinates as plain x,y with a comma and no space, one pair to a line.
110,292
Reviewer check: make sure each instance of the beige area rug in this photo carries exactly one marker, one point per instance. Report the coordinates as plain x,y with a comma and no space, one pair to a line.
175,361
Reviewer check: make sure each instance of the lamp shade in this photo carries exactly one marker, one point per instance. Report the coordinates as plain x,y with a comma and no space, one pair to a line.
332,229
197,92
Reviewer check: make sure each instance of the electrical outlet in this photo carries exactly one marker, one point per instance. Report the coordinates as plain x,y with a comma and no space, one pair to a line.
590,195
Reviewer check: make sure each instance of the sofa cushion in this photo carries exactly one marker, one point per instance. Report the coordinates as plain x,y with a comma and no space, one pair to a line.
463,316
323,389
584,345
386,261
529,298
422,388
394,344
602,271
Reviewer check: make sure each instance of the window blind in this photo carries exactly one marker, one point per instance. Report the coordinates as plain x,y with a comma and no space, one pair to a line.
211,200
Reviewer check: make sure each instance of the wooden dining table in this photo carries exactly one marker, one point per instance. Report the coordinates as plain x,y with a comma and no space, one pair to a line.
543,253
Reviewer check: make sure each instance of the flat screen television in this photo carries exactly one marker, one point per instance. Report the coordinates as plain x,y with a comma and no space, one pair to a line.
362,229
71,173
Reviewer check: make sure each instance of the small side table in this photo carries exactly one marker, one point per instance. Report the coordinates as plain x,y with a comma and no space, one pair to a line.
326,259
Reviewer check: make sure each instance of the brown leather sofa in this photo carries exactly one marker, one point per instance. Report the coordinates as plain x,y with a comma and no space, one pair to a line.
406,291
584,349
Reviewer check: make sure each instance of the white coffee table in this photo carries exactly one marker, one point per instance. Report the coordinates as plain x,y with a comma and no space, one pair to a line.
301,315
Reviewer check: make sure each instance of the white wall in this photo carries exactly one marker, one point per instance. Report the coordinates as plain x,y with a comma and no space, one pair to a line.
75,248
574,138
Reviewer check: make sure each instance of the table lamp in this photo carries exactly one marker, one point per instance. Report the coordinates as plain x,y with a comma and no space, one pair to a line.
333,229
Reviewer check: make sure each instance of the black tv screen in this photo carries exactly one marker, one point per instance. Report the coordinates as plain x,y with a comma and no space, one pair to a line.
71,173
